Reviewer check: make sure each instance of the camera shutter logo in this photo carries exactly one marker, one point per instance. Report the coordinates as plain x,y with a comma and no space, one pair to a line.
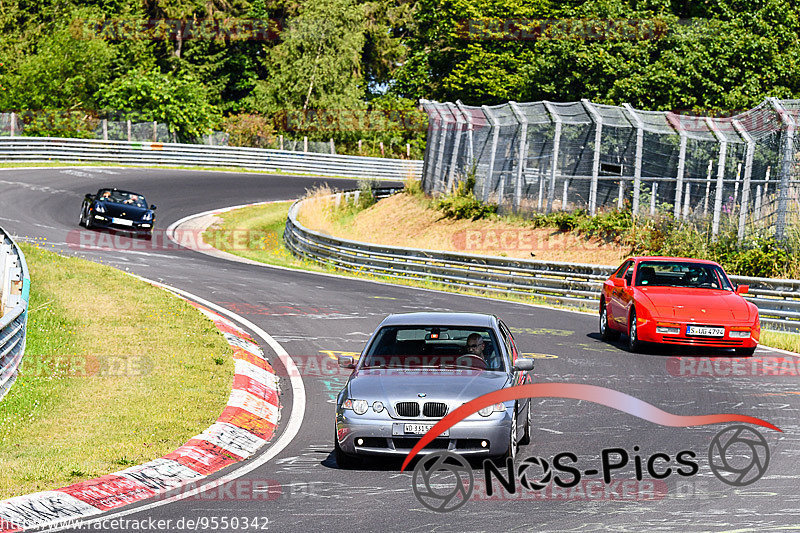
442,481
527,469
738,455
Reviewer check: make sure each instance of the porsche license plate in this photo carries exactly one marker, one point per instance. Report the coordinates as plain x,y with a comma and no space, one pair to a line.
705,331
122,222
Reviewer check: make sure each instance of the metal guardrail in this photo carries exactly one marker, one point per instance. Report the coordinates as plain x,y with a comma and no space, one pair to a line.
49,149
14,289
572,284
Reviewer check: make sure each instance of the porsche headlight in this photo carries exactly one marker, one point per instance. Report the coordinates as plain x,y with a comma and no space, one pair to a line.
100,208
496,408
148,216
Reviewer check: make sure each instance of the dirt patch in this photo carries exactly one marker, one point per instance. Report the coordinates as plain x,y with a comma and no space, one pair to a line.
404,220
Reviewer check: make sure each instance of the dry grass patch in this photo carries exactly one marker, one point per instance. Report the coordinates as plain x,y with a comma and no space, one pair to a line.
406,220
116,372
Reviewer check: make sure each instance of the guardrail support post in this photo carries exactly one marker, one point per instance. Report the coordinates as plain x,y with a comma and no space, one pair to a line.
723,152
748,171
495,137
522,156
551,190
786,167
598,139
637,169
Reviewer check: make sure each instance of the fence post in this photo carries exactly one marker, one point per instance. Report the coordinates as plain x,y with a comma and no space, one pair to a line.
129,130
598,137
333,150
281,139
467,114
673,122
454,156
723,149
523,149
105,129
551,190
748,171
708,186
305,143
637,169
686,198
786,167
495,136
155,131
408,150
438,171
653,194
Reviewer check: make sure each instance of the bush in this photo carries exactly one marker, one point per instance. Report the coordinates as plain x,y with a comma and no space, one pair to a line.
253,131
462,203
59,123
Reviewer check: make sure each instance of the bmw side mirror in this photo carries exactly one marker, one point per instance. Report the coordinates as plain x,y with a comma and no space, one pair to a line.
153,207
742,289
346,361
523,365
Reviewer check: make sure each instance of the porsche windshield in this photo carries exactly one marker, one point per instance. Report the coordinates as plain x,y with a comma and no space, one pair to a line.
122,197
681,274
434,346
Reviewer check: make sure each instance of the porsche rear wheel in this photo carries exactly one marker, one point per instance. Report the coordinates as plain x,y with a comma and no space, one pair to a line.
634,344
606,333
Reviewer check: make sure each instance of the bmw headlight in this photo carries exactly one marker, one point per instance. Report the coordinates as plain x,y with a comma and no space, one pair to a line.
359,407
99,208
496,408
148,216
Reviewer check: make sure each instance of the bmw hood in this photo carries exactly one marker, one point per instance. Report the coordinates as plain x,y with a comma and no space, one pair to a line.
685,304
453,387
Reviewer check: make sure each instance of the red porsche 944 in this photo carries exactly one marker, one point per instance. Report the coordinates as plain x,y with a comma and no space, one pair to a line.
675,300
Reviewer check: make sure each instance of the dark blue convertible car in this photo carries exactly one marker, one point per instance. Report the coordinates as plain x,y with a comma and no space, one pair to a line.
119,210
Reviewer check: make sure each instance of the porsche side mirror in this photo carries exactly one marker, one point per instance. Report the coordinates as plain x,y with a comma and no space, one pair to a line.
618,282
742,289
523,365
346,361
89,196
153,207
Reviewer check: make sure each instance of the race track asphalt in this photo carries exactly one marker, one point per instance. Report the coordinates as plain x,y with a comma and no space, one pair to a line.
314,316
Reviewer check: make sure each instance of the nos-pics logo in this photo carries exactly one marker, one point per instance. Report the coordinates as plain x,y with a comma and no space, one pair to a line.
444,481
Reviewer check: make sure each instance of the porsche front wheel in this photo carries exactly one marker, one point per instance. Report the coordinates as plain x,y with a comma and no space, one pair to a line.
634,344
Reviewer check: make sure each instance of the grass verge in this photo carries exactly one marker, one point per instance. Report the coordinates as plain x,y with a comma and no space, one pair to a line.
116,372
264,226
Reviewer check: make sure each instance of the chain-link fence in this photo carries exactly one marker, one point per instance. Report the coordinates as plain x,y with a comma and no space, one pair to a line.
545,156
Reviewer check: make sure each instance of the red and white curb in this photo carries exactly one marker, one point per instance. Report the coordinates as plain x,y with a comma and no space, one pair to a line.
246,424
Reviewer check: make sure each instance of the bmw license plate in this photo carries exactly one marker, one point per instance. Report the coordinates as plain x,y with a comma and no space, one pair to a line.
705,331
122,222
414,429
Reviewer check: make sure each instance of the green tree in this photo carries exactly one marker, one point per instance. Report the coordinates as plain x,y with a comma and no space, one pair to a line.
151,95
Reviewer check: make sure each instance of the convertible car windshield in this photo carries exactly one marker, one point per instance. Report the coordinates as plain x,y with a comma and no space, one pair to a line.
434,346
122,197
681,274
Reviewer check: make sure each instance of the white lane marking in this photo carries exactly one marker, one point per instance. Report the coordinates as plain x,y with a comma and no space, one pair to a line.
292,427
552,431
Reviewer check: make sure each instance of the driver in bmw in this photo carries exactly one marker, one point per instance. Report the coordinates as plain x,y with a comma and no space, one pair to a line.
476,345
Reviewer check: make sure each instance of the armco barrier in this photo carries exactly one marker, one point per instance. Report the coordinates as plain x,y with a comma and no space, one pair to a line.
48,149
573,284
14,289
